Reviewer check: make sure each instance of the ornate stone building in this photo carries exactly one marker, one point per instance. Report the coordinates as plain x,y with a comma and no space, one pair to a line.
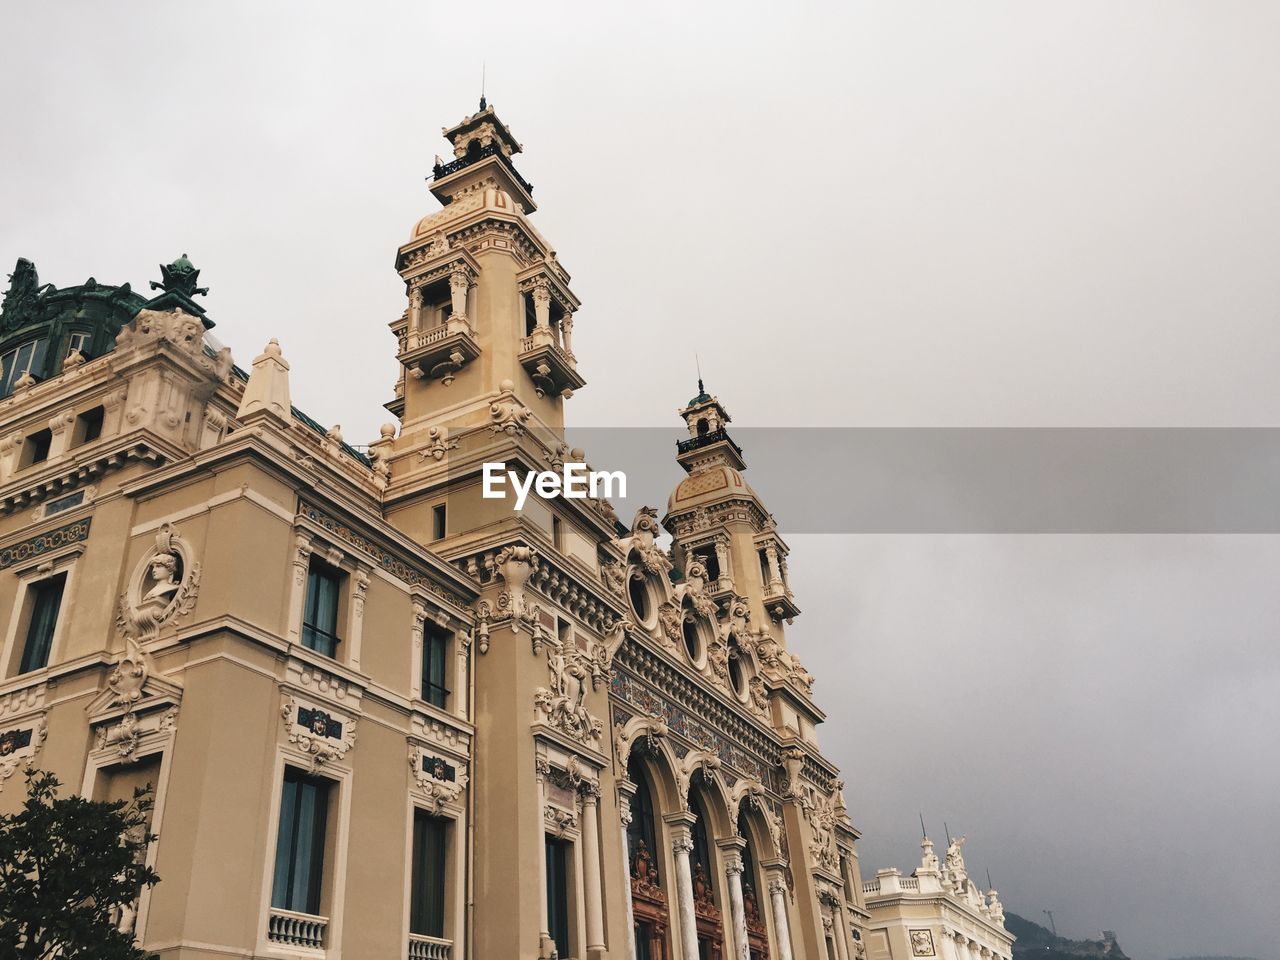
383,715
937,912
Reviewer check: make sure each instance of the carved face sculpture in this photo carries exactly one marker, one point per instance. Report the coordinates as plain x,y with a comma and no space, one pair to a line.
163,569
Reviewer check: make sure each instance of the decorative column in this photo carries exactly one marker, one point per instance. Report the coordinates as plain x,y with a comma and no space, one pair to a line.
627,790
298,589
540,292
731,852
566,329
541,769
681,827
839,930
459,284
775,572
778,897
722,558
415,633
415,313
591,867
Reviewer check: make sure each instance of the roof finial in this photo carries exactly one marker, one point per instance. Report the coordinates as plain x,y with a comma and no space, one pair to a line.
924,834
698,363
483,102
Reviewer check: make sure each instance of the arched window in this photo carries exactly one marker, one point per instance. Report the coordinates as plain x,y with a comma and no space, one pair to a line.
25,358
737,669
641,830
473,150
702,426
700,857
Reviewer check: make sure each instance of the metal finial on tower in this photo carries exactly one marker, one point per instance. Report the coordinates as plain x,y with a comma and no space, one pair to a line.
924,834
947,830
990,885
483,102
697,362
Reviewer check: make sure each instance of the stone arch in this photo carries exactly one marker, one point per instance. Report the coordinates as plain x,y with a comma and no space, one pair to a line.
764,831
659,761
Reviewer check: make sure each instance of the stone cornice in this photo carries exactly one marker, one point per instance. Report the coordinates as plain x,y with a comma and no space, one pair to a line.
70,472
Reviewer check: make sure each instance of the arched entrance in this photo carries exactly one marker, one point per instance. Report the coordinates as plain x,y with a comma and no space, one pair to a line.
710,920
757,925
649,903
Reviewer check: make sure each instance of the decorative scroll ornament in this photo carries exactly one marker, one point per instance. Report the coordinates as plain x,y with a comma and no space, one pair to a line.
436,779
322,735
563,705
163,587
922,943
644,529
820,811
438,443
559,820
130,674
515,564
19,746
613,574
508,415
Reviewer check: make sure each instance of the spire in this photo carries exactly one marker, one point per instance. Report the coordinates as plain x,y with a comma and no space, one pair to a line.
267,391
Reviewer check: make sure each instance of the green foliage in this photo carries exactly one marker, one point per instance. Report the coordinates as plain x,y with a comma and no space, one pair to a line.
71,870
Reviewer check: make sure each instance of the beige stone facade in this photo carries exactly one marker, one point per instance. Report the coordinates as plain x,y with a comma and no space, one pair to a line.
937,913
384,716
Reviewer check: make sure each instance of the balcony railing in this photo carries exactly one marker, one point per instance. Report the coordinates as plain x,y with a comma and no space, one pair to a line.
453,166
296,929
429,948
714,436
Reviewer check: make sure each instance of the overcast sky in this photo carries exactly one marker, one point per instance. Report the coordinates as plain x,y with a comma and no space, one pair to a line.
951,214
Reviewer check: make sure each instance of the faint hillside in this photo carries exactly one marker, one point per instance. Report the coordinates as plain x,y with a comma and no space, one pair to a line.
1038,943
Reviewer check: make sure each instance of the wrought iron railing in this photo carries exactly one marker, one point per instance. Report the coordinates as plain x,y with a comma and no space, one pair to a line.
296,929
442,170
705,440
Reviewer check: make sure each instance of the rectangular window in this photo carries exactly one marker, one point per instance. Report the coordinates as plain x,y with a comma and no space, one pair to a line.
304,815
564,633
88,426
558,893
320,615
439,518
426,890
435,645
45,600
36,448
765,575
78,342
557,534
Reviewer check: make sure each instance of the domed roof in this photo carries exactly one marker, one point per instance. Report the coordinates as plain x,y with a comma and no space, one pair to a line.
708,485
492,198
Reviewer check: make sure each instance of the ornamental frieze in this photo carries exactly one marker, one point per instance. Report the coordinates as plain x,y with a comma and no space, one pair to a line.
686,723
33,547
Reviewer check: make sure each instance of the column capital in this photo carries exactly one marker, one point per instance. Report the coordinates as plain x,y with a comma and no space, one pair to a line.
680,821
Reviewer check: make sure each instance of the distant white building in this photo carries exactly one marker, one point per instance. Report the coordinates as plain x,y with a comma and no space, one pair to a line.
937,912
